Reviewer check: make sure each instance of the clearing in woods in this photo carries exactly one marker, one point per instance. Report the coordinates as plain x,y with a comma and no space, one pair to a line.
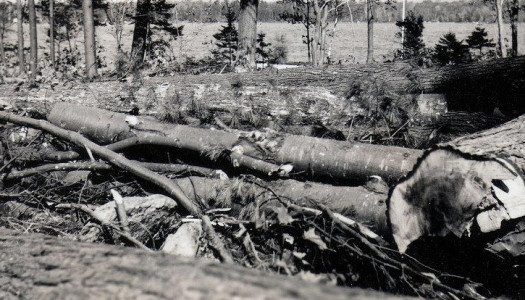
348,46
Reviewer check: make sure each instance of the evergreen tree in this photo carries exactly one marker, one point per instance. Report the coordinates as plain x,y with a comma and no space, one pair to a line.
413,43
262,54
450,50
478,40
227,40
153,17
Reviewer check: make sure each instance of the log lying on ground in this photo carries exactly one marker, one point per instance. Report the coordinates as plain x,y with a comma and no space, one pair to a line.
310,157
302,90
39,266
469,187
362,204
113,158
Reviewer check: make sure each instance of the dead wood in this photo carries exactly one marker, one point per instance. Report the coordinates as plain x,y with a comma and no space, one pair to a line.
39,266
489,84
310,157
362,204
113,158
472,187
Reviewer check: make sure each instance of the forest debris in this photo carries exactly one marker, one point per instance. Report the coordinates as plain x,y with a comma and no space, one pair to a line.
113,158
121,210
215,242
184,242
312,158
115,229
149,217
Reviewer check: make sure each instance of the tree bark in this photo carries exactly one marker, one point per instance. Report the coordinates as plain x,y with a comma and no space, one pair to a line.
471,186
140,33
33,38
370,31
312,157
248,33
501,39
111,157
89,39
52,31
514,14
480,86
39,266
20,33
2,51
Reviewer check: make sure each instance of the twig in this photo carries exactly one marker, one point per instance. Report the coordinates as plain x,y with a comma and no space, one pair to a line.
19,154
93,215
215,241
121,211
222,125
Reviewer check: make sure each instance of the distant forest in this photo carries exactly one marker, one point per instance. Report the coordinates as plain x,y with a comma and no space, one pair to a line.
214,11
459,11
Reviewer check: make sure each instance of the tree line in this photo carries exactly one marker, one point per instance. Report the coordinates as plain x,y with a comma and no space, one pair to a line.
455,11
155,26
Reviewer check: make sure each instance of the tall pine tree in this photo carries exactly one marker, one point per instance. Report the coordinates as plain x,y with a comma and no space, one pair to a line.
227,41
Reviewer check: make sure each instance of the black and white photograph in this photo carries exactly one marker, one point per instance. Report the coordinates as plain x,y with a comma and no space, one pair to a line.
262,149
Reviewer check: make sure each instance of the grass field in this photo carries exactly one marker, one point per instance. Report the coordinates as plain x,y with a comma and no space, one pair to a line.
349,43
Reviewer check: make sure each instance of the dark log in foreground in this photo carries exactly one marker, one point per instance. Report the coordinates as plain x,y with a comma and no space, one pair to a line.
479,86
469,187
311,157
35,266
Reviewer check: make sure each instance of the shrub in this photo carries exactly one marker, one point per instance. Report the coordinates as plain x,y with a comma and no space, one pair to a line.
279,53
478,40
450,50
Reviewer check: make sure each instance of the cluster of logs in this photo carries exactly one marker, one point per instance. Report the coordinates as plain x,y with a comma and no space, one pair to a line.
470,191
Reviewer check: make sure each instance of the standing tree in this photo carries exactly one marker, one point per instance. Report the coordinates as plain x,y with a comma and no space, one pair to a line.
52,31
450,50
478,40
151,18
502,51
5,19
33,38
116,13
20,33
514,16
370,31
140,33
247,33
301,13
227,41
413,44
89,39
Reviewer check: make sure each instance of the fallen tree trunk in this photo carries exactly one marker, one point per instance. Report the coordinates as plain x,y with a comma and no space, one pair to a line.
463,208
310,157
39,266
117,160
362,204
304,91
469,187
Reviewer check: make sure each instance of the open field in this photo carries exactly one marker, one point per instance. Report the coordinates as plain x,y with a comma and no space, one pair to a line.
349,44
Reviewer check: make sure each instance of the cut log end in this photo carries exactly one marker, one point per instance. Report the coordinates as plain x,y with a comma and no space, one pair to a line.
453,193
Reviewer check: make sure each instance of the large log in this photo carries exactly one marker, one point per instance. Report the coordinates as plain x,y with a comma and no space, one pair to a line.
35,266
363,204
463,208
323,94
310,157
469,187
